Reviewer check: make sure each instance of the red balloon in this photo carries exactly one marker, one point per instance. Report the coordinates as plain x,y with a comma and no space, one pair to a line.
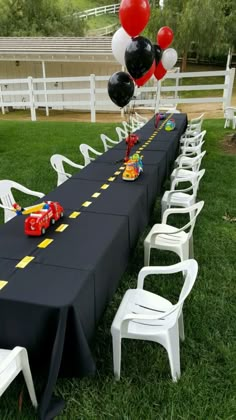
165,36
134,15
160,71
142,80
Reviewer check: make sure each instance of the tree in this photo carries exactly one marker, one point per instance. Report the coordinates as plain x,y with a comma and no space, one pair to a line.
39,18
193,21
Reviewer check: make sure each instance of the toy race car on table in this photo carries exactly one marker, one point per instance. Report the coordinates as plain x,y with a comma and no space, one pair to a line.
39,221
134,167
170,125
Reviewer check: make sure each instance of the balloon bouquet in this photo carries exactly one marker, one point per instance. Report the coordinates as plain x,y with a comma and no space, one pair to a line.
141,58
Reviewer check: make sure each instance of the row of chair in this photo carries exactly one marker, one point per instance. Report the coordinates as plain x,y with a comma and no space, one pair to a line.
148,316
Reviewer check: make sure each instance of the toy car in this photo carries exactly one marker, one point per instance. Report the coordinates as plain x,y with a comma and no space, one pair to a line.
134,167
170,125
37,223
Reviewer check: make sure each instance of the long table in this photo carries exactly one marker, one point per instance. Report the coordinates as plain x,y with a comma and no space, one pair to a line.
54,289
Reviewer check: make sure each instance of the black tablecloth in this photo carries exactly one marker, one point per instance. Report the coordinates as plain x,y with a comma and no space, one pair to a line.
53,304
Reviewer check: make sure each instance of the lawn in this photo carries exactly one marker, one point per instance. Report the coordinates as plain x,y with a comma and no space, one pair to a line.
206,388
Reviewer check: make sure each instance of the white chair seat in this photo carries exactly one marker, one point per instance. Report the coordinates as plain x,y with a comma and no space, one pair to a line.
183,173
141,301
179,199
164,239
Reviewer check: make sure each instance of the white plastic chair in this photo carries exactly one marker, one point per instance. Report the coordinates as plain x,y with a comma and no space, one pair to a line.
107,142
182,197
12,362
122,133
143,315
7,198
188,166
230,116
86,150
128,127
141,118
57,162
196,120
192,137
166,237
192,140
193,128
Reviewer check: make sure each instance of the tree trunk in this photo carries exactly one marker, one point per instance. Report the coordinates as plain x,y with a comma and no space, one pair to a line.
184,61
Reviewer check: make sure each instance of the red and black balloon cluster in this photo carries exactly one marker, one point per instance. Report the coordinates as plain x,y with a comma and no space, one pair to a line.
141,58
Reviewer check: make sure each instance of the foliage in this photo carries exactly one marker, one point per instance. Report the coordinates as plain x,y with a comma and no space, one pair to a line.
205,390
39,18
207,25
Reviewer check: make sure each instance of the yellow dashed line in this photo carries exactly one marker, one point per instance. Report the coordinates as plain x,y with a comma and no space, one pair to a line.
96,195
112,178
105,186
3,283
45,243
74,214
24,262
61,228
117,173
86,203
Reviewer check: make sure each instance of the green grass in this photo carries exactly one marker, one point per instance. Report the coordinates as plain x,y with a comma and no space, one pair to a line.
207,386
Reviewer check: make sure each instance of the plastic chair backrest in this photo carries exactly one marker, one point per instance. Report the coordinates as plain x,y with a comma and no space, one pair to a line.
12,362
122,133
196,120
85,149
57,161
7,197
107,142
194,182
189,268
193,212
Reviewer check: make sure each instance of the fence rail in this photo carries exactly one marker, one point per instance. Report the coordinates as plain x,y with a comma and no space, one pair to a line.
98,11
89,93
103,31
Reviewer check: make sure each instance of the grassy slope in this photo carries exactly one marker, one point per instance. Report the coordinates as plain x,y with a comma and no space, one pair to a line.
145,391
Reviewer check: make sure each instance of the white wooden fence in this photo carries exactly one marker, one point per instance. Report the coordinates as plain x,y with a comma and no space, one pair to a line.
90,93
106,30
98,11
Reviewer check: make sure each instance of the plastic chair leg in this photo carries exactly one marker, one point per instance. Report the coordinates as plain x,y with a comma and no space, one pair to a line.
163,207
116,343
191,250
173,352
181,327
28,378
147,251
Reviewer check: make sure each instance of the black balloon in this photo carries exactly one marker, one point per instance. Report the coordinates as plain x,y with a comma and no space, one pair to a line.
120,88
158,53
139,56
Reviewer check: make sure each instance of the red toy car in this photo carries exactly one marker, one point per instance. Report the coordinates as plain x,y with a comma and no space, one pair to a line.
37,223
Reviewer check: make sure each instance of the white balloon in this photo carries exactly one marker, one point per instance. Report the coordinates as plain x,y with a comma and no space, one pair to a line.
169,58
119,42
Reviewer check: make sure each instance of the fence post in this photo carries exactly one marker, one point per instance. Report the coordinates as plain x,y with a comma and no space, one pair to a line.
45,89
92,98
229,79
1,98
158,96
31,98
